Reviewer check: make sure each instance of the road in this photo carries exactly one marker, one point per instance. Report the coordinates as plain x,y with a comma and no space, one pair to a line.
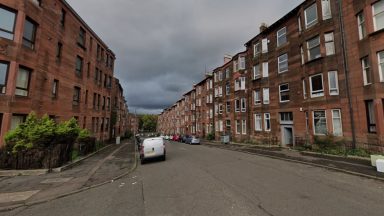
198,180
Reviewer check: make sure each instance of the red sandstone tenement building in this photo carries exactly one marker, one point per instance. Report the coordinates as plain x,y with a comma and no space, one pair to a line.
318,70
51,62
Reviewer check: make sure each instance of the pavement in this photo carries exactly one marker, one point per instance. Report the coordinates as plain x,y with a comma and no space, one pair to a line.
351,165
201,180
114,161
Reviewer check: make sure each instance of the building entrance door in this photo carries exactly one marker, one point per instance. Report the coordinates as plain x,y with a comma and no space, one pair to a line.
287,136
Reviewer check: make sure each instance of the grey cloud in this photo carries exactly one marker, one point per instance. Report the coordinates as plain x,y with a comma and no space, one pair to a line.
164,46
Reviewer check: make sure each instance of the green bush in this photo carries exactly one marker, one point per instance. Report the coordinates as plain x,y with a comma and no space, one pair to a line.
41,132
211,136
34,132
84,134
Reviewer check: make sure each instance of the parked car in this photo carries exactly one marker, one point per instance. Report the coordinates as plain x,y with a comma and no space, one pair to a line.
184,138
152,148
192,140
176,138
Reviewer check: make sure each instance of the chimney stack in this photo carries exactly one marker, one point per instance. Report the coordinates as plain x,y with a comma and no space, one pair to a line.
263,27
227,58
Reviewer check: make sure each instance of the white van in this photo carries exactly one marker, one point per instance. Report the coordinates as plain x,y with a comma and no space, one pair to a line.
152,148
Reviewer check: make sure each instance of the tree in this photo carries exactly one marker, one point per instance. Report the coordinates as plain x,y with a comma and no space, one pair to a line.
148,123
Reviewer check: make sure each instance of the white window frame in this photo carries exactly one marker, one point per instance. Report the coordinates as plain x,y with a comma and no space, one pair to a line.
326,9
243,104
380,62
238,126
379,13
256,97
237,108
258,122
333,122
265,69
299,24
317,93
309,48
281,34
266,96
302,55
267,118
264,45
241,63
256,49
281,60
329,43
312,23
313,122
361,25
333,90
304,89
366,69
244,127
256,72
282,91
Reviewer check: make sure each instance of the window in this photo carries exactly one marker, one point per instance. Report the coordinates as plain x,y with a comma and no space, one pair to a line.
282,36
76,95
237,105
371,119
243,105
79,66
286,118
333,83
227,73
310,16
336,122
59,50
257,97
380,57
55,88
240,84
242,63
220,75
304,89
62,17
258,122
313,46
3,76
302,55
283,63
256,49
17,120
238,128
29,35
235,65
378,15
228,88
361,25
265,69
81,38
244,127
265,95
284,92
316,83
256,72
264,44
367,76
319,122
22,82
228,107
299,24
220,108
329,44
267,121
7,23
326,8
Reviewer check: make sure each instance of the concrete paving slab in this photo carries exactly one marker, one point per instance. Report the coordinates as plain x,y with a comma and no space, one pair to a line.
56,180
16,196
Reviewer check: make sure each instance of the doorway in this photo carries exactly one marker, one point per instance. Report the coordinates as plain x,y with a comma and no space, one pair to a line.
287,136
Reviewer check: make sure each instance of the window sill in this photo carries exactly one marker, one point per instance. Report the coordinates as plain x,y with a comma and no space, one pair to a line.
314,60
376,32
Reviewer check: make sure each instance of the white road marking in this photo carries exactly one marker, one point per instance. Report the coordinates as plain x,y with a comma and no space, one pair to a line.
17,196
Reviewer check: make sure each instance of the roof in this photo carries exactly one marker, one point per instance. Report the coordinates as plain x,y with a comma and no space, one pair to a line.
86,26
278,22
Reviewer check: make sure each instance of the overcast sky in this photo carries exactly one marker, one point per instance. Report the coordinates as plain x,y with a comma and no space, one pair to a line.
164,46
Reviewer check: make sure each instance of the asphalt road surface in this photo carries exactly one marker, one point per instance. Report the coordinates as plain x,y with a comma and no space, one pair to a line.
198,180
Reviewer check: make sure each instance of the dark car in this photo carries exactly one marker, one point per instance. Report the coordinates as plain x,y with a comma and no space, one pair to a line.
183,138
